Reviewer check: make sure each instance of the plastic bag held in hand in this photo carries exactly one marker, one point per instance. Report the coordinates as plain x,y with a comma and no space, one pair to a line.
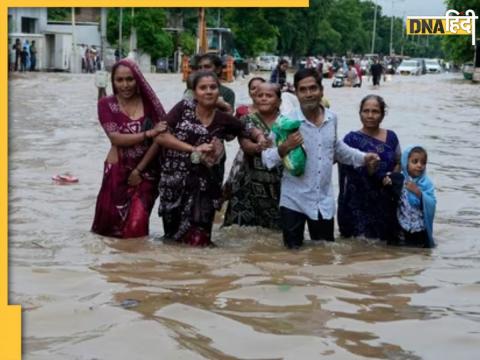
295,160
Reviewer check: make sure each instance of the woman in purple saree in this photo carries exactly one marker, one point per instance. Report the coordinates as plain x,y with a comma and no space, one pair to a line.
130,118
367,200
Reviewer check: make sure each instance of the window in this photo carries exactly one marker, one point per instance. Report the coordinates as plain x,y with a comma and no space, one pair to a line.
29,25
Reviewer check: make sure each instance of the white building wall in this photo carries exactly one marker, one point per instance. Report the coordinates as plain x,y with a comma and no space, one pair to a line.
84,34
37,13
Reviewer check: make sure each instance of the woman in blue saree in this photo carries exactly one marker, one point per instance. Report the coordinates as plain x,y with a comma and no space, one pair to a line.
368,198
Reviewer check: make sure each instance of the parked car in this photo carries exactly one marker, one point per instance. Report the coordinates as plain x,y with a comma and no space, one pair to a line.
266,62
423,65
409,67
433,66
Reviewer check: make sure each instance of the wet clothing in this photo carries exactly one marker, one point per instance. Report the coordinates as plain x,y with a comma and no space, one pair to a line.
312,193
122,210
190,193
293,228
410,216
365,206
425,205
255,190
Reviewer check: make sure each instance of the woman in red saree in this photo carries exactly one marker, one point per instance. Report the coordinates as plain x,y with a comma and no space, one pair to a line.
130,118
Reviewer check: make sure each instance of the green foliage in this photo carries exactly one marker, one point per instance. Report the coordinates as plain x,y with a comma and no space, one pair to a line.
252,32
187,42
149,24
326,27
59,14
459,49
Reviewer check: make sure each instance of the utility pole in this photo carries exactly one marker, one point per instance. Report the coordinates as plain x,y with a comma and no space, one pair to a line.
120,34
391,31
374,28
403,33
73,58
133,33
103,33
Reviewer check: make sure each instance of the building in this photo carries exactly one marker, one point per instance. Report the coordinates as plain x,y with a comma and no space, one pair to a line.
55,40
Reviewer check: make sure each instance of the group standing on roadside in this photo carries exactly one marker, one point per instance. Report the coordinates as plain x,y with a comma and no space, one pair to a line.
179,156
23,56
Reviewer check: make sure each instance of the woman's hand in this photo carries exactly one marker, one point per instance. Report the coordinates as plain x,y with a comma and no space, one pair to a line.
135,177
213,157
204,148
262,143
371,162
387,181
161,127
412,187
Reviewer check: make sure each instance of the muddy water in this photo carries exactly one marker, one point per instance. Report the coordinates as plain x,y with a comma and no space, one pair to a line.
89,297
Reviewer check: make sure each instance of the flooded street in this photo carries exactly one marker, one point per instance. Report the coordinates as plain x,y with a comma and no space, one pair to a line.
89,297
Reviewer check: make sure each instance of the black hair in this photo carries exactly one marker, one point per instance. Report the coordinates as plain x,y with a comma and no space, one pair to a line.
304,73
194,60
256,78
379,99
203,74
215,60
282,61
418,150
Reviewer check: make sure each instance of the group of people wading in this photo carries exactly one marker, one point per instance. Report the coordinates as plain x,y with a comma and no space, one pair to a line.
179,157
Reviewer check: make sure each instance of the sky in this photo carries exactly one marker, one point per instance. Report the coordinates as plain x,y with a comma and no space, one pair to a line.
413,7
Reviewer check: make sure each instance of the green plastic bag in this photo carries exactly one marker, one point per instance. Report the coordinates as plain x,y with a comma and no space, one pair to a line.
295,160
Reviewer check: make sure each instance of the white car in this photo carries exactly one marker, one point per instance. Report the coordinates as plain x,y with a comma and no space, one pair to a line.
433,66
409,67
266,62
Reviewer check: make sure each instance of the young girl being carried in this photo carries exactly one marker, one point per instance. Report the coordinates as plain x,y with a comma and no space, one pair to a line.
417,204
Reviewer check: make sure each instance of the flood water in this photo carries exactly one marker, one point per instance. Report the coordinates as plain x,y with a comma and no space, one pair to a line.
89,297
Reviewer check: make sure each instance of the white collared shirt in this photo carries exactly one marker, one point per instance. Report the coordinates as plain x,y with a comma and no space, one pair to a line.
312,192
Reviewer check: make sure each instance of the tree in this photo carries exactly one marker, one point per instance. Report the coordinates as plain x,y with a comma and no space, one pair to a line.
59,14
252,32
459,49
149,23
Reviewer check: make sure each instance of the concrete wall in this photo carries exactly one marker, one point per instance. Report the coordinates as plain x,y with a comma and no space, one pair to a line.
37,13
84,34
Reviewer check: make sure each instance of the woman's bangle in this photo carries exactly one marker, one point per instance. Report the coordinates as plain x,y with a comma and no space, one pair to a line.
138,170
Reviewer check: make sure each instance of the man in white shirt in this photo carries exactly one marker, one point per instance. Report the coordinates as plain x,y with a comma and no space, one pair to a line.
309,198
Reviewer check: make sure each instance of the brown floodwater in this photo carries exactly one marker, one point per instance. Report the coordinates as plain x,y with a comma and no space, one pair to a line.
89,297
